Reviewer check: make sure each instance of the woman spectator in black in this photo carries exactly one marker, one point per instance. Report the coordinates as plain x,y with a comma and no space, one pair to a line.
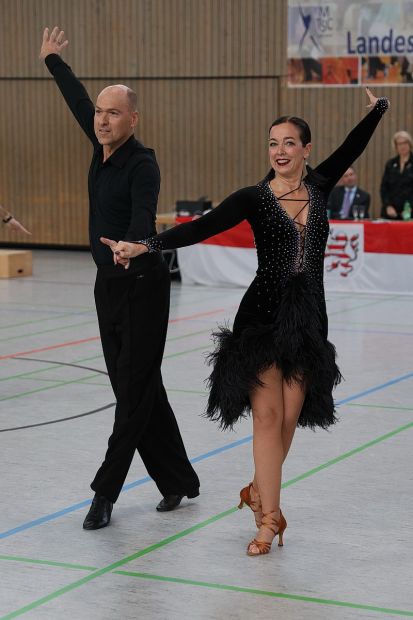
397,182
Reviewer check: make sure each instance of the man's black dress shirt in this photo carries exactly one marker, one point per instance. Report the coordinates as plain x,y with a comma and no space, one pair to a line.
123,190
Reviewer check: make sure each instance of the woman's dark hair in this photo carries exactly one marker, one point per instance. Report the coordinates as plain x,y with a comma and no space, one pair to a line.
302,126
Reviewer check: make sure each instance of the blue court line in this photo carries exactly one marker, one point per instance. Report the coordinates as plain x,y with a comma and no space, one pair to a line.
383,386
197,459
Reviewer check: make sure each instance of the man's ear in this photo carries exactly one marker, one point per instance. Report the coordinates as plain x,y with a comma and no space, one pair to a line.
135,119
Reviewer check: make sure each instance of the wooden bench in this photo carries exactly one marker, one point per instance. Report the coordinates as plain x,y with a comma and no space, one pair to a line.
15,263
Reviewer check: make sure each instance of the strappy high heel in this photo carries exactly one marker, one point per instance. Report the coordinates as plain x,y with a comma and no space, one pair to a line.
277,526
251,497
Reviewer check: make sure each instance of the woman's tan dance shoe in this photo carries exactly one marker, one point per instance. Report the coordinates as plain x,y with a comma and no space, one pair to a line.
277,526
251,497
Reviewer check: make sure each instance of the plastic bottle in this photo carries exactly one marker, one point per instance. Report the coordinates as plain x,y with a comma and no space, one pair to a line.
407,211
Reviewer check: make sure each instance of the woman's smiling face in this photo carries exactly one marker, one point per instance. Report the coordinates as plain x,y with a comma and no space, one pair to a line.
286,150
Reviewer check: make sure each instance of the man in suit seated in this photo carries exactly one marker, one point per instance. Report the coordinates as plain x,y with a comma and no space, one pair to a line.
347,201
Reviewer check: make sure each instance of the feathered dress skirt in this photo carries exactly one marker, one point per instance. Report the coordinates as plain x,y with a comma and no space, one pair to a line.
293,337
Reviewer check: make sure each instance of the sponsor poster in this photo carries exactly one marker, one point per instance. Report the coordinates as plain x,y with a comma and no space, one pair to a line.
350,42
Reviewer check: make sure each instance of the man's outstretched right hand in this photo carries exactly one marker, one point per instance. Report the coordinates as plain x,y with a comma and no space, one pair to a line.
53,42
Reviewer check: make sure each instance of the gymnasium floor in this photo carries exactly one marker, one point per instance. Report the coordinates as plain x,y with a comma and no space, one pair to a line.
347,493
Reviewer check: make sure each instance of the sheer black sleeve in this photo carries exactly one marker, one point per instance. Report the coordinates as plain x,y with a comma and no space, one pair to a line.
230,212
74,94
333,168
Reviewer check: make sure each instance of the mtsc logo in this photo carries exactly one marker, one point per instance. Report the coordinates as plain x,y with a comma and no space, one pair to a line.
317,22
324,20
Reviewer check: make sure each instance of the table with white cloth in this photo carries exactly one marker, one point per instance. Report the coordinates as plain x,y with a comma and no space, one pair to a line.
364,256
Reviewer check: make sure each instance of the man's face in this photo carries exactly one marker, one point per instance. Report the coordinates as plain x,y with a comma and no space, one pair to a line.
349,178
114,120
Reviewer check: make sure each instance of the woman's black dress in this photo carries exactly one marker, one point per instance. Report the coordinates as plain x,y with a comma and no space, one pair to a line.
282,317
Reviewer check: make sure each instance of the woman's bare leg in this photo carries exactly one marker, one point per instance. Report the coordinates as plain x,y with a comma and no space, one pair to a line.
267,402
293,399
268,412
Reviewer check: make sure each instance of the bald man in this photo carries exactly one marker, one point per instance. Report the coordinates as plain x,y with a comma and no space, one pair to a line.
132,305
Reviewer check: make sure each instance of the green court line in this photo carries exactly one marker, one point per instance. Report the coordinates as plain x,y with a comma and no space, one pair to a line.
94,321
53,367
44,389
346,455
199,393
370,303
87,382
215,586
45,318
369,323
83,359
114,565
170,355
202,331
48,331
279,595
93,357
62,383
14,558
381,407
41,379
52,318
111,567
37,304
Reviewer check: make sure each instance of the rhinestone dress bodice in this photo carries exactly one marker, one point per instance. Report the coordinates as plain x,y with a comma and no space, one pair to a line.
301,227
284,246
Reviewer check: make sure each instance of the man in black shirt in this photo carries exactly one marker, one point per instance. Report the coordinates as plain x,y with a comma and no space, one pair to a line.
132,306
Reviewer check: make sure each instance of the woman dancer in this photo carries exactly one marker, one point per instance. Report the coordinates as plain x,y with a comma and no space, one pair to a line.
277,361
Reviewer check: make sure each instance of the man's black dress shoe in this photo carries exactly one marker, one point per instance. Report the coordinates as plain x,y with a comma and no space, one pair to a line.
170,502
99,513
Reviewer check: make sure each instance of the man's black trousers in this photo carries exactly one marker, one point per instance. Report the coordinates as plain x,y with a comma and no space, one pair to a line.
133,309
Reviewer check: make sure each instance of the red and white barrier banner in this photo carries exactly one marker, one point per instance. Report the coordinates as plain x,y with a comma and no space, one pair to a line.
360,256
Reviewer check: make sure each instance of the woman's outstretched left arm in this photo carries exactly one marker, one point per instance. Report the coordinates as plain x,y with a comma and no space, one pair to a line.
333,168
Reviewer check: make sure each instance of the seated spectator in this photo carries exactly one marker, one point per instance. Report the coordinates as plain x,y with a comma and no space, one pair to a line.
347,201
397,182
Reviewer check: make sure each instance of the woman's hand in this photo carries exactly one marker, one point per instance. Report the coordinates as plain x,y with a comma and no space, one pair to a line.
374,100
123,251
